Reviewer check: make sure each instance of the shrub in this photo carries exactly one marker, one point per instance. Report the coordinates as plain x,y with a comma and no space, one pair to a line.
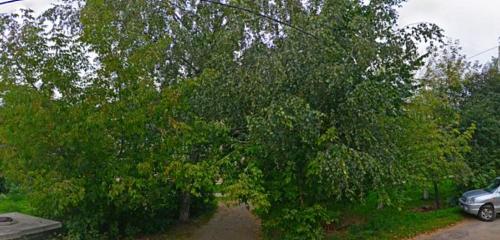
297,223
3,185
109,172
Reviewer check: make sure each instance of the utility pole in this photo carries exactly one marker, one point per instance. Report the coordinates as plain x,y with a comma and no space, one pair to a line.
498,57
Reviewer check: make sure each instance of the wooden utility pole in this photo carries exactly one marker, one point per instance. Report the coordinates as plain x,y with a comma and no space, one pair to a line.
498,59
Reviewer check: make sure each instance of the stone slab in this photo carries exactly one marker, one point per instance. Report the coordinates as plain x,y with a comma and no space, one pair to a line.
26,227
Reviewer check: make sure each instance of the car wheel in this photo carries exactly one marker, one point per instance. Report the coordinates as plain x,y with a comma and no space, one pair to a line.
487,213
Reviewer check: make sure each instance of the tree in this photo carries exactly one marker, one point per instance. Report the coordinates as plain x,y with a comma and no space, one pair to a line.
471,93
291,103
95,144
435,144
448,73
481,108
342,60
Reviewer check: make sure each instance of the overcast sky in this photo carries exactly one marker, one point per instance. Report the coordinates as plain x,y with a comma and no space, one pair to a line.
476,23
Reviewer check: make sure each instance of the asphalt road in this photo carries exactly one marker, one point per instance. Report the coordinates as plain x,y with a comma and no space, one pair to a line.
470,229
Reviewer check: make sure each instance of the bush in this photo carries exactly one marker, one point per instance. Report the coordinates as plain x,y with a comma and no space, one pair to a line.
3,185
297,223
107,173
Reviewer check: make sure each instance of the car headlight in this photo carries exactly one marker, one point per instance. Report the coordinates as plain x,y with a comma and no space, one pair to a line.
470,200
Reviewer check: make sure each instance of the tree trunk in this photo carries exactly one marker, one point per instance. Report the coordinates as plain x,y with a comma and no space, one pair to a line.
425,196
436,195
185,205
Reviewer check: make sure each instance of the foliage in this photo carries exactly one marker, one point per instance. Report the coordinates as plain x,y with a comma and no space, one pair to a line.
448,73
365,221
435,145
308,111
320,126
298,223
282,141
3,185
121,116
109,155
15,202
469,92
481,108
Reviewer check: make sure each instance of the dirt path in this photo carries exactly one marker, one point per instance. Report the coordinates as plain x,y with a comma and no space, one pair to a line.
470,229
228,223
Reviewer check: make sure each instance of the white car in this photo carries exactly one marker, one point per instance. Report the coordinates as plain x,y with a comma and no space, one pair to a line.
484,203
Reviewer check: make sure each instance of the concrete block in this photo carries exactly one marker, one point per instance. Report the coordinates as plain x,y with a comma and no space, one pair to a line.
21,226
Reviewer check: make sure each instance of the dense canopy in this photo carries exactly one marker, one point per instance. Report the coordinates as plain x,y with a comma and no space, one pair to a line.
120,117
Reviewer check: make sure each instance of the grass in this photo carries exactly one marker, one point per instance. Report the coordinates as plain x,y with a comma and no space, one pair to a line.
14,202
395,224
368,222
361,221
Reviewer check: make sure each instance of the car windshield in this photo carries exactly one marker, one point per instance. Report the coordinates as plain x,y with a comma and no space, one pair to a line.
492,187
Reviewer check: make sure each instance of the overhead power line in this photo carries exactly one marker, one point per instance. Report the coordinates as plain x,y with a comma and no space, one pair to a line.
483,52
9,1
261,15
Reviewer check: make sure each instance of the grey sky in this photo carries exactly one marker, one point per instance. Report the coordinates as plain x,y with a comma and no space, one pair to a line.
476,23
37,5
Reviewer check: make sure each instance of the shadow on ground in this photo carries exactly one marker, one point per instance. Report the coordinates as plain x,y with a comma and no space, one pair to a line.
227,223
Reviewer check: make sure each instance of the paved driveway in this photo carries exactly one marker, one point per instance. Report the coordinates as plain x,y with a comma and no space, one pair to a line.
470,229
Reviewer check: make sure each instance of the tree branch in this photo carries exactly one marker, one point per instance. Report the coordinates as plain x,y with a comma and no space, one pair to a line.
262,16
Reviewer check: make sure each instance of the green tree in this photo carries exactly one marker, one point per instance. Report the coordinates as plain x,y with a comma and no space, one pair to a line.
292,104
481,108
435,145
344,62
448,73
470,91
96,144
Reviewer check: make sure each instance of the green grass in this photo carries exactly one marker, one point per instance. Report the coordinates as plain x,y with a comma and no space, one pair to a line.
394,224
364,221
14,202
367,222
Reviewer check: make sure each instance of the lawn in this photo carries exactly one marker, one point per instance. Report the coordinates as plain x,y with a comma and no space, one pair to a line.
14,202
395,224
415,217
358,221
